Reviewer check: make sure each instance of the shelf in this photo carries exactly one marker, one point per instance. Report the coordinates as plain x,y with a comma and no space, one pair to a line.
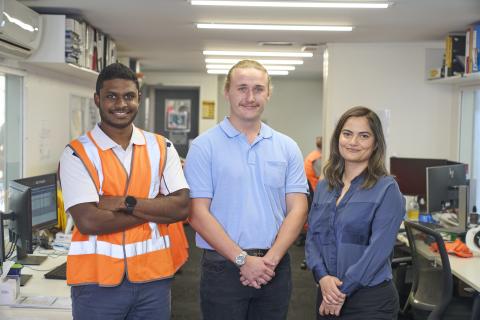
471,78
51,52
68,69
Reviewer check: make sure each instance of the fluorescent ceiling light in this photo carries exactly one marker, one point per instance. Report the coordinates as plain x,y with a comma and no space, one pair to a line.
295,4
258,53
272,73
268,67
264,62
274,27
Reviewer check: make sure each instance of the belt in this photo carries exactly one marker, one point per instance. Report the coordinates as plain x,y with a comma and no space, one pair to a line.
251,252
256,252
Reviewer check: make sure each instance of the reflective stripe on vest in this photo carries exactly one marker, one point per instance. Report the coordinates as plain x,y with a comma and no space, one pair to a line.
144,249
93,155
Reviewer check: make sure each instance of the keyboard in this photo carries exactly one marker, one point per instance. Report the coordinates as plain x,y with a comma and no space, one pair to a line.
59,273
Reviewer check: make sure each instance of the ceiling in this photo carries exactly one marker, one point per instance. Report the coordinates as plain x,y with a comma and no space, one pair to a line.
161,33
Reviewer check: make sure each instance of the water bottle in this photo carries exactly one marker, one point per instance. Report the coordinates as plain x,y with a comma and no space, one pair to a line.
413,209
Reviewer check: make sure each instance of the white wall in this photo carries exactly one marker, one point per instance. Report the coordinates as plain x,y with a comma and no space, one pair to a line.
47,117
391,76
294,109
206,83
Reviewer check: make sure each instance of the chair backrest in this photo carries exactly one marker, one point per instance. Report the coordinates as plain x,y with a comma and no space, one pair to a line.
432,285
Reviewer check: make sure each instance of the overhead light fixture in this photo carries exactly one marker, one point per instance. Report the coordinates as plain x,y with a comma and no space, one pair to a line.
274,27
258,53
295,4
271,73
268,67
264,62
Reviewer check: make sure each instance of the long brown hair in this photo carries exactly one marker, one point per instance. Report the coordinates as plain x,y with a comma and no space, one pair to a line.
335,166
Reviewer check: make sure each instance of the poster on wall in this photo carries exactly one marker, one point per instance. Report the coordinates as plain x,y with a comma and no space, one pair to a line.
178,115
208,109
83,115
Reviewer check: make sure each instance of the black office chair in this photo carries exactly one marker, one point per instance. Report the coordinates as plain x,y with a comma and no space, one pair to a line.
432,285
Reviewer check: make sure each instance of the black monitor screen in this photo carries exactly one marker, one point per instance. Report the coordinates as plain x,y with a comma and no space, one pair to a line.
441,183
411,173
44,206
33,202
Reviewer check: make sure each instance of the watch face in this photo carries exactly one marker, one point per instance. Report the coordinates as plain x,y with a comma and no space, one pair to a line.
130,202
240,259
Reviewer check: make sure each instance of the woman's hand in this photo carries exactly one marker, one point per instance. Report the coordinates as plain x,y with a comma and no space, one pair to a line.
330,309
330,292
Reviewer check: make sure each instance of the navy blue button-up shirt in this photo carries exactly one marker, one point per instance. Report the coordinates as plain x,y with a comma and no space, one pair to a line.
353,241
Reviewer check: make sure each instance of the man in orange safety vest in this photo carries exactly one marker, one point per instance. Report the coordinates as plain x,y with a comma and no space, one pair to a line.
125,190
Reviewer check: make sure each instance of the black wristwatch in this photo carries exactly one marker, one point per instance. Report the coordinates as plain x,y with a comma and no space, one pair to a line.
130,203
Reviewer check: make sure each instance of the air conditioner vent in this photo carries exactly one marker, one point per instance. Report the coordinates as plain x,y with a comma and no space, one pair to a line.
275,44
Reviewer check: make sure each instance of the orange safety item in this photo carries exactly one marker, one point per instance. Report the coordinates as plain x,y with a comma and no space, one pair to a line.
456,247
143,253
309,170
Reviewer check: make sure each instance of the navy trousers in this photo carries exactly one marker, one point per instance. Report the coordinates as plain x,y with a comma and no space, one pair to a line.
130,301
223,296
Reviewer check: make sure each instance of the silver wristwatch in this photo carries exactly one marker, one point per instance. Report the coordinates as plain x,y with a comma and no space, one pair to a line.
241,259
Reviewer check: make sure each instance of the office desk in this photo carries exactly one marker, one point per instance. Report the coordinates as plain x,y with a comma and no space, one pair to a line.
465,269
39,286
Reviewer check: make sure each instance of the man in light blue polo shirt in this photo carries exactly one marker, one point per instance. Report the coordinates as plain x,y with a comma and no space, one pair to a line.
248,190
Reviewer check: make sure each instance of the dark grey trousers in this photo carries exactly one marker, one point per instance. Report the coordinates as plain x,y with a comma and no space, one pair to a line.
373,303
224,297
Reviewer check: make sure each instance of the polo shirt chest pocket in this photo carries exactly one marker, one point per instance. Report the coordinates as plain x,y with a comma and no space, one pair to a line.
275,173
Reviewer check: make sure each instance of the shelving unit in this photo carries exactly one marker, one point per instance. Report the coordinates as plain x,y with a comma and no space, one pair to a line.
51,53
467,79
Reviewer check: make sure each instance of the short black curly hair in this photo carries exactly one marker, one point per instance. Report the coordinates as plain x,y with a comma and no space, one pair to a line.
116,71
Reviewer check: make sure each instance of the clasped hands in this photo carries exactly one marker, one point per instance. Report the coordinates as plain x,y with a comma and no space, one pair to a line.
257,271
333,298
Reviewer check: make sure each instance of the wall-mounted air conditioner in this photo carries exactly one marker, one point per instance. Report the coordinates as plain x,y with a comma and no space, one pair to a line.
20,29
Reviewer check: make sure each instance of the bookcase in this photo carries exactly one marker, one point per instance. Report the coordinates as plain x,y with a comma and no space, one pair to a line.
73,47
458,62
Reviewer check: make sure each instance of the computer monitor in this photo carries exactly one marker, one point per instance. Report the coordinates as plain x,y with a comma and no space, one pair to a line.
442,186
410,173
33,202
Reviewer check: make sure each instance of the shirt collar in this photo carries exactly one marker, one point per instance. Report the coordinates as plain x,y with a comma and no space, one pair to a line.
231,132
105,142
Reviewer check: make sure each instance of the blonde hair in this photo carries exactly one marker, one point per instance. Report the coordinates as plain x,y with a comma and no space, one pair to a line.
244,64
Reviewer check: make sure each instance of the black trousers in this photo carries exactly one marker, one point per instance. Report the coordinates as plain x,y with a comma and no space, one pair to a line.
223,297
373,303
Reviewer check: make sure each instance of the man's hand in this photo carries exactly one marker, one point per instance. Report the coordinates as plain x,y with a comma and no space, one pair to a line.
111,203
255,272
330,309
330,292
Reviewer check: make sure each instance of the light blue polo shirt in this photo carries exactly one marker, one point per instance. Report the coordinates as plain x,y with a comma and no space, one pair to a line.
246,183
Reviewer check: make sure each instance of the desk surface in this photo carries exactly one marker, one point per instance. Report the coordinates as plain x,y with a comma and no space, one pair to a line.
466,269
39,286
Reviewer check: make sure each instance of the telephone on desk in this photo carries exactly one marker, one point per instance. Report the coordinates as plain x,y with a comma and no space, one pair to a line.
447,219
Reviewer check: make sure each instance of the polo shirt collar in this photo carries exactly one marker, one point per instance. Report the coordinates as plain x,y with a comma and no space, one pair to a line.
105,142
231,132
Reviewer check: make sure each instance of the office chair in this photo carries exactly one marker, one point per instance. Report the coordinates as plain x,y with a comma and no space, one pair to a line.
432,285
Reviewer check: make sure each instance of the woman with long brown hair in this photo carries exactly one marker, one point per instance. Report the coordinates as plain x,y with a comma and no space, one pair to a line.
356,212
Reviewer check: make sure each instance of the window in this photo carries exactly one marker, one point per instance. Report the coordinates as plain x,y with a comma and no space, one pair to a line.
469,146
11,133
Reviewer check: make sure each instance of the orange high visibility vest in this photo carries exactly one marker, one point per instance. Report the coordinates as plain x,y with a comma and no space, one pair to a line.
144,253
309,170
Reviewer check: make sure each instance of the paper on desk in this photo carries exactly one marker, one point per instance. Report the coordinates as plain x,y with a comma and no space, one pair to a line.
43,302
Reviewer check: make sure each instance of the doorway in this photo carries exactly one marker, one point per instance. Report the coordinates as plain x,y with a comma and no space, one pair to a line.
176,116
